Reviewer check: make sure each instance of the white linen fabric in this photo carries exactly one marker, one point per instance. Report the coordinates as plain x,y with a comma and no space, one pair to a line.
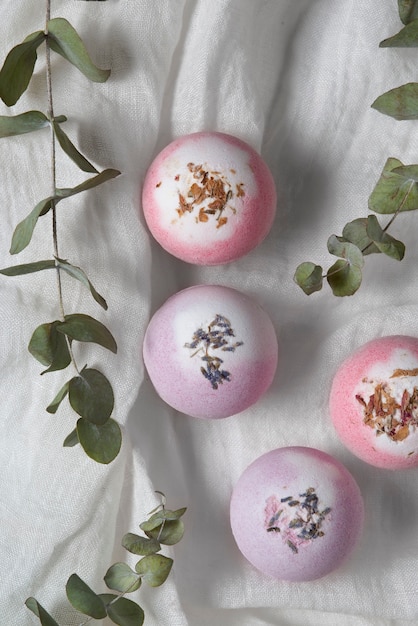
295,79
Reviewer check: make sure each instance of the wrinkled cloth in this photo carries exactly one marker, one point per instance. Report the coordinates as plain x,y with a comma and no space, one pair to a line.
295,79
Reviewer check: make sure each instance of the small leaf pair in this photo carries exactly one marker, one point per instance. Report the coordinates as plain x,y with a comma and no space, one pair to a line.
395,192
19,65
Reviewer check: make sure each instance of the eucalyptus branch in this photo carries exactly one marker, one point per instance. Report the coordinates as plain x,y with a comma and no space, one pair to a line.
395,192
90,394
163,527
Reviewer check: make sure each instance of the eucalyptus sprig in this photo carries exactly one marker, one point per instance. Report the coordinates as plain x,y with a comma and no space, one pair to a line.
395,192
163,527
89,392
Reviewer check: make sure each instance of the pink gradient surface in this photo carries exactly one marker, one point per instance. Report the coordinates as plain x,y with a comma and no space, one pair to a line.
287,473
175,370
254,211
385,353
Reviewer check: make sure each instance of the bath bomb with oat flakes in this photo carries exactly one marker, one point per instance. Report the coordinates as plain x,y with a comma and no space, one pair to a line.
210,351
374,402
296,514
209,198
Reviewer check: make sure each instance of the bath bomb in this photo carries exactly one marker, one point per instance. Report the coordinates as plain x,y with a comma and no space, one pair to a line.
296,513
374,402
210,351
209,198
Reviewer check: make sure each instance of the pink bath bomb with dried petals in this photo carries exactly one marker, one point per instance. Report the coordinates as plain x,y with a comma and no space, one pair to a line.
296,514
209,198
210,351
374,402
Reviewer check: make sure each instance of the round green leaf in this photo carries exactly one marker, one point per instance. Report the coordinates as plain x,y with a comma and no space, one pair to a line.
101,443
408,10
386,243
168,532
400,103
345,250
125,612
406,38
91,396
356,232
81,327
120,577
309,277
49,347
343,278
154,569
140,545
84,599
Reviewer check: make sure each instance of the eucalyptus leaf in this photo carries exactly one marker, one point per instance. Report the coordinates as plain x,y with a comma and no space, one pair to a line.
408,10
395,190
49,347
140,545
154,569
64,40
82,327
406,38
70,149
101,443
90,183
125,612
400,102
24,230
28,268
91,396
386,243
71,440
309,277
44,617
356,232
53,407
343,278
18,68
345,250
168,532
84,599
120,577
79,274
28,122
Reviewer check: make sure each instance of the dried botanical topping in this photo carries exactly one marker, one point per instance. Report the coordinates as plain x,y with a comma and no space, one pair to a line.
204,342
297,520
386,415
210,194
399,373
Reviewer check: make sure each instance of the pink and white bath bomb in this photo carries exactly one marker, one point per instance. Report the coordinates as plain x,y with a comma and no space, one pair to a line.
374,402
296,513
210,351
209,198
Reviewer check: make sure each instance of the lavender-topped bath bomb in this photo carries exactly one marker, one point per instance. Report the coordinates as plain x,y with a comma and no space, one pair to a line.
374,402
209,198
210,351
296,513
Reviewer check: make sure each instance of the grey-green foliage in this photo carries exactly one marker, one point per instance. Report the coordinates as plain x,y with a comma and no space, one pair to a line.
153,569
90,394
395,192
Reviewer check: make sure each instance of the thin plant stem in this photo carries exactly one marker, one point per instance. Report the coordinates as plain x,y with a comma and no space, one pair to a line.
54,176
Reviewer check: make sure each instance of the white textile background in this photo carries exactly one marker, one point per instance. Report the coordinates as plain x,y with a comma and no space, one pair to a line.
294,78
